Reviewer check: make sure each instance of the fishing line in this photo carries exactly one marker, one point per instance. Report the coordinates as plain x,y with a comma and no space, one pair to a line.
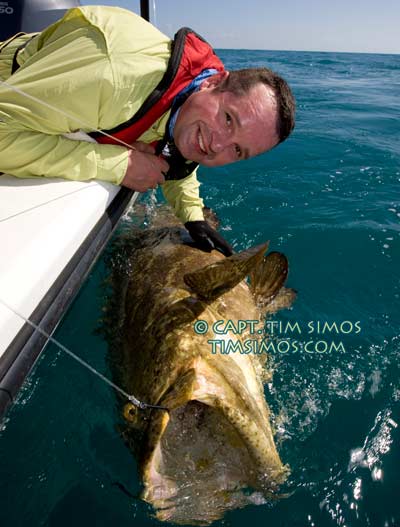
131,398
65,114
43,203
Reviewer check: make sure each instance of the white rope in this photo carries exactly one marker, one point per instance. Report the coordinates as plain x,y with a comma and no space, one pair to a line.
65,114
130,398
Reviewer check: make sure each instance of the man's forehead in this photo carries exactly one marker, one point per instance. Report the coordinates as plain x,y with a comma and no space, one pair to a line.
260,97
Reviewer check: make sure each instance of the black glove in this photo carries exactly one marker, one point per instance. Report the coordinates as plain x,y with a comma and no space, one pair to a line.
207,238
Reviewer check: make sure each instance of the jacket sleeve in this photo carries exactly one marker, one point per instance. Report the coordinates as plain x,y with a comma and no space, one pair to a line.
183,196
85,68
32,154
66,80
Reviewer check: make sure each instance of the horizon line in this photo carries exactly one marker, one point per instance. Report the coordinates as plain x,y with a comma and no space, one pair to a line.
313,51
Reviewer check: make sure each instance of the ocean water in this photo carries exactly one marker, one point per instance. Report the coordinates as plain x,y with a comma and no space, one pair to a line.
329,199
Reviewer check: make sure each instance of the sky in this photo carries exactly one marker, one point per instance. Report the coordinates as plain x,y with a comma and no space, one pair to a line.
365,26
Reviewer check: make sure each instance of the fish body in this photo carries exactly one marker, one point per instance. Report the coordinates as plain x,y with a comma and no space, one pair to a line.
213,450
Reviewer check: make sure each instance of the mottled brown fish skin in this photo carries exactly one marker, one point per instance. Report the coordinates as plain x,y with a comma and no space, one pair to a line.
164,362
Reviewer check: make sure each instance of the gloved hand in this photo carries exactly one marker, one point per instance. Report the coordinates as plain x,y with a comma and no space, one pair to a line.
207,238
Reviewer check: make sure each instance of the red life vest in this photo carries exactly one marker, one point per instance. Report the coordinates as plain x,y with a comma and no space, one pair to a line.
190,55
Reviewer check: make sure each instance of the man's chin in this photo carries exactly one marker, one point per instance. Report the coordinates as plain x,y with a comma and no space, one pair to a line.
194,156
187,152
206,162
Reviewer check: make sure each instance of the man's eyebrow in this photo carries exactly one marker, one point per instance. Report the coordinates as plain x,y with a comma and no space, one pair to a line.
246,153
236,116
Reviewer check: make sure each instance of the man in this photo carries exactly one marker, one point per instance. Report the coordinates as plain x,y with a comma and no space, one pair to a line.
106,68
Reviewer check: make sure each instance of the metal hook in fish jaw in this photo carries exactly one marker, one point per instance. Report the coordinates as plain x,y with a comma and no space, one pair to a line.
144,406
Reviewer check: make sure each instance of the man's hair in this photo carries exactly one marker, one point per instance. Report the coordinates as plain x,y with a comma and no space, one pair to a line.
239,82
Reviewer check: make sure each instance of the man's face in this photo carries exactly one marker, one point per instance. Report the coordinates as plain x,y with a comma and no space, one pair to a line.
215,128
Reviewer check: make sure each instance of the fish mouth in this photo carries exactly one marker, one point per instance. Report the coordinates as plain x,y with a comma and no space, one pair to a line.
200,462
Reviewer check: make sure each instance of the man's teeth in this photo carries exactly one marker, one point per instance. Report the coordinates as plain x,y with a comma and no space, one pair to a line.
201,144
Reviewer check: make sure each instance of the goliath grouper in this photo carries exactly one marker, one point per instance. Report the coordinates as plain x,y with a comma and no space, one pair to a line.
214,449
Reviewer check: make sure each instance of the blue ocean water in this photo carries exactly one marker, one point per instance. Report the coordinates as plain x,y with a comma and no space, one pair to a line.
329,199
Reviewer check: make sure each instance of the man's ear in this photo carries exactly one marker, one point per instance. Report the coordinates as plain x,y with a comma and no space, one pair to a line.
214,80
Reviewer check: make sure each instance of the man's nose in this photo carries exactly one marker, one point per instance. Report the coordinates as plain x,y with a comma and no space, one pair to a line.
220,141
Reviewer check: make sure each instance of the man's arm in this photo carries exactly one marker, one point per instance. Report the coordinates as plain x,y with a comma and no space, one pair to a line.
79,76
31,154
183,196
31,141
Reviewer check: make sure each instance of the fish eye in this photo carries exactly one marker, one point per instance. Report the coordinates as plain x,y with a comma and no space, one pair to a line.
238,151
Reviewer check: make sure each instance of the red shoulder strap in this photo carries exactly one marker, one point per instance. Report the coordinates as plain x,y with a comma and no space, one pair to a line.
190,56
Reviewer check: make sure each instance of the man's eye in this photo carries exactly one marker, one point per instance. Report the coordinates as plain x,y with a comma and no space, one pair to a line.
228,118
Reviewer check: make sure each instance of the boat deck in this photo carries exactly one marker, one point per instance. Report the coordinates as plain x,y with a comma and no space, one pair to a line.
49,230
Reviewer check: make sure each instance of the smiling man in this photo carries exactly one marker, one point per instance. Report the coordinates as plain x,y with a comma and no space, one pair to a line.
104,68
216,127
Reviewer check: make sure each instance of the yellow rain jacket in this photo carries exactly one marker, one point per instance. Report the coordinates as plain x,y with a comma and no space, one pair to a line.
98,65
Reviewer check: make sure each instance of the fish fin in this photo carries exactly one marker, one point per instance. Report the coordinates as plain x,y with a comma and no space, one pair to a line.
214,280
283,300
180,313
268,277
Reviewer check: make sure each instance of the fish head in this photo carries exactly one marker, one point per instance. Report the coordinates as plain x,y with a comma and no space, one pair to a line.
213,450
